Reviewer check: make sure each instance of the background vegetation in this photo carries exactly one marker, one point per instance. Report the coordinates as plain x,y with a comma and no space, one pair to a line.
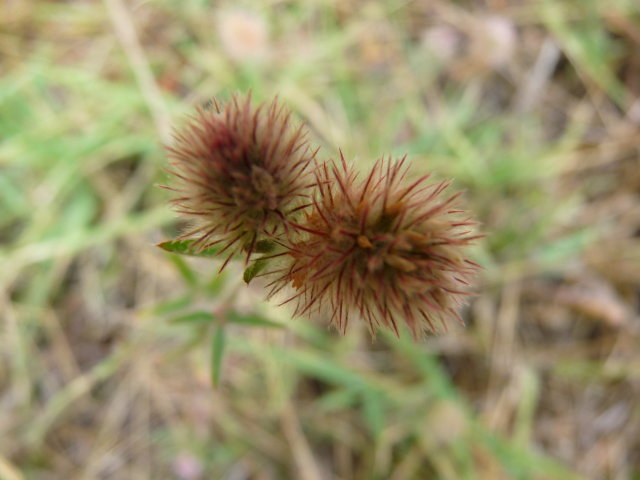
105,341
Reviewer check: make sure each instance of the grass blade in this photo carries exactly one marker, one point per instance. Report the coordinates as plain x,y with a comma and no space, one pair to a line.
217,351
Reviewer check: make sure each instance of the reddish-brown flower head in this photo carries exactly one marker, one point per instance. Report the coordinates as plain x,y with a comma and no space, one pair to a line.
379,248
240,173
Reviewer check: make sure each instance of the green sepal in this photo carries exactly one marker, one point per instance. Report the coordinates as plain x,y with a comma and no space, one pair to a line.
185,247
254,269
264,246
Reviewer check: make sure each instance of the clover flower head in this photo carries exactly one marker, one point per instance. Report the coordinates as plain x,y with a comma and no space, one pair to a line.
240,173
382,248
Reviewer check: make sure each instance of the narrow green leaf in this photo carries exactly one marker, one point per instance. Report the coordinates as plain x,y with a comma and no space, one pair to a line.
525,414
254,320
323,368
339,399
195,318
373,411
217,351
254,269
185,270
215,284
423,361
172,305
185,247
567,246
521,462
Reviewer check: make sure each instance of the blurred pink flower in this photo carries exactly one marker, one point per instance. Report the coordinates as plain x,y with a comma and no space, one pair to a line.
244,35
188,467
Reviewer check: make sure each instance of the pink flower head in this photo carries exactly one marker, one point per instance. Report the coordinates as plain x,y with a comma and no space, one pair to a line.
240,173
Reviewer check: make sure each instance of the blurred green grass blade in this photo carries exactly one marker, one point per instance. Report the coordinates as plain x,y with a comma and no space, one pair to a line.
76,214
171,305
587,45
523,462
423,361
73,391
185,247
216,283
525,415
195,318
251,320
186,272
326,369
566,247
217,352
339,399
373,412
13,260
202,317
12,198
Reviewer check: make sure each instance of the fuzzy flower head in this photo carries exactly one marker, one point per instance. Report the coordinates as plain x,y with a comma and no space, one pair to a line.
240,173
380,248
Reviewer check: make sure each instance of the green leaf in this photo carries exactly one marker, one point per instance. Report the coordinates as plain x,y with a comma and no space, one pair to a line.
339,399
254,269
185,247
253,320
373,411
185,271
327,370
567,246
423,361
216,283
217,351
195,317
171,305
264,246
